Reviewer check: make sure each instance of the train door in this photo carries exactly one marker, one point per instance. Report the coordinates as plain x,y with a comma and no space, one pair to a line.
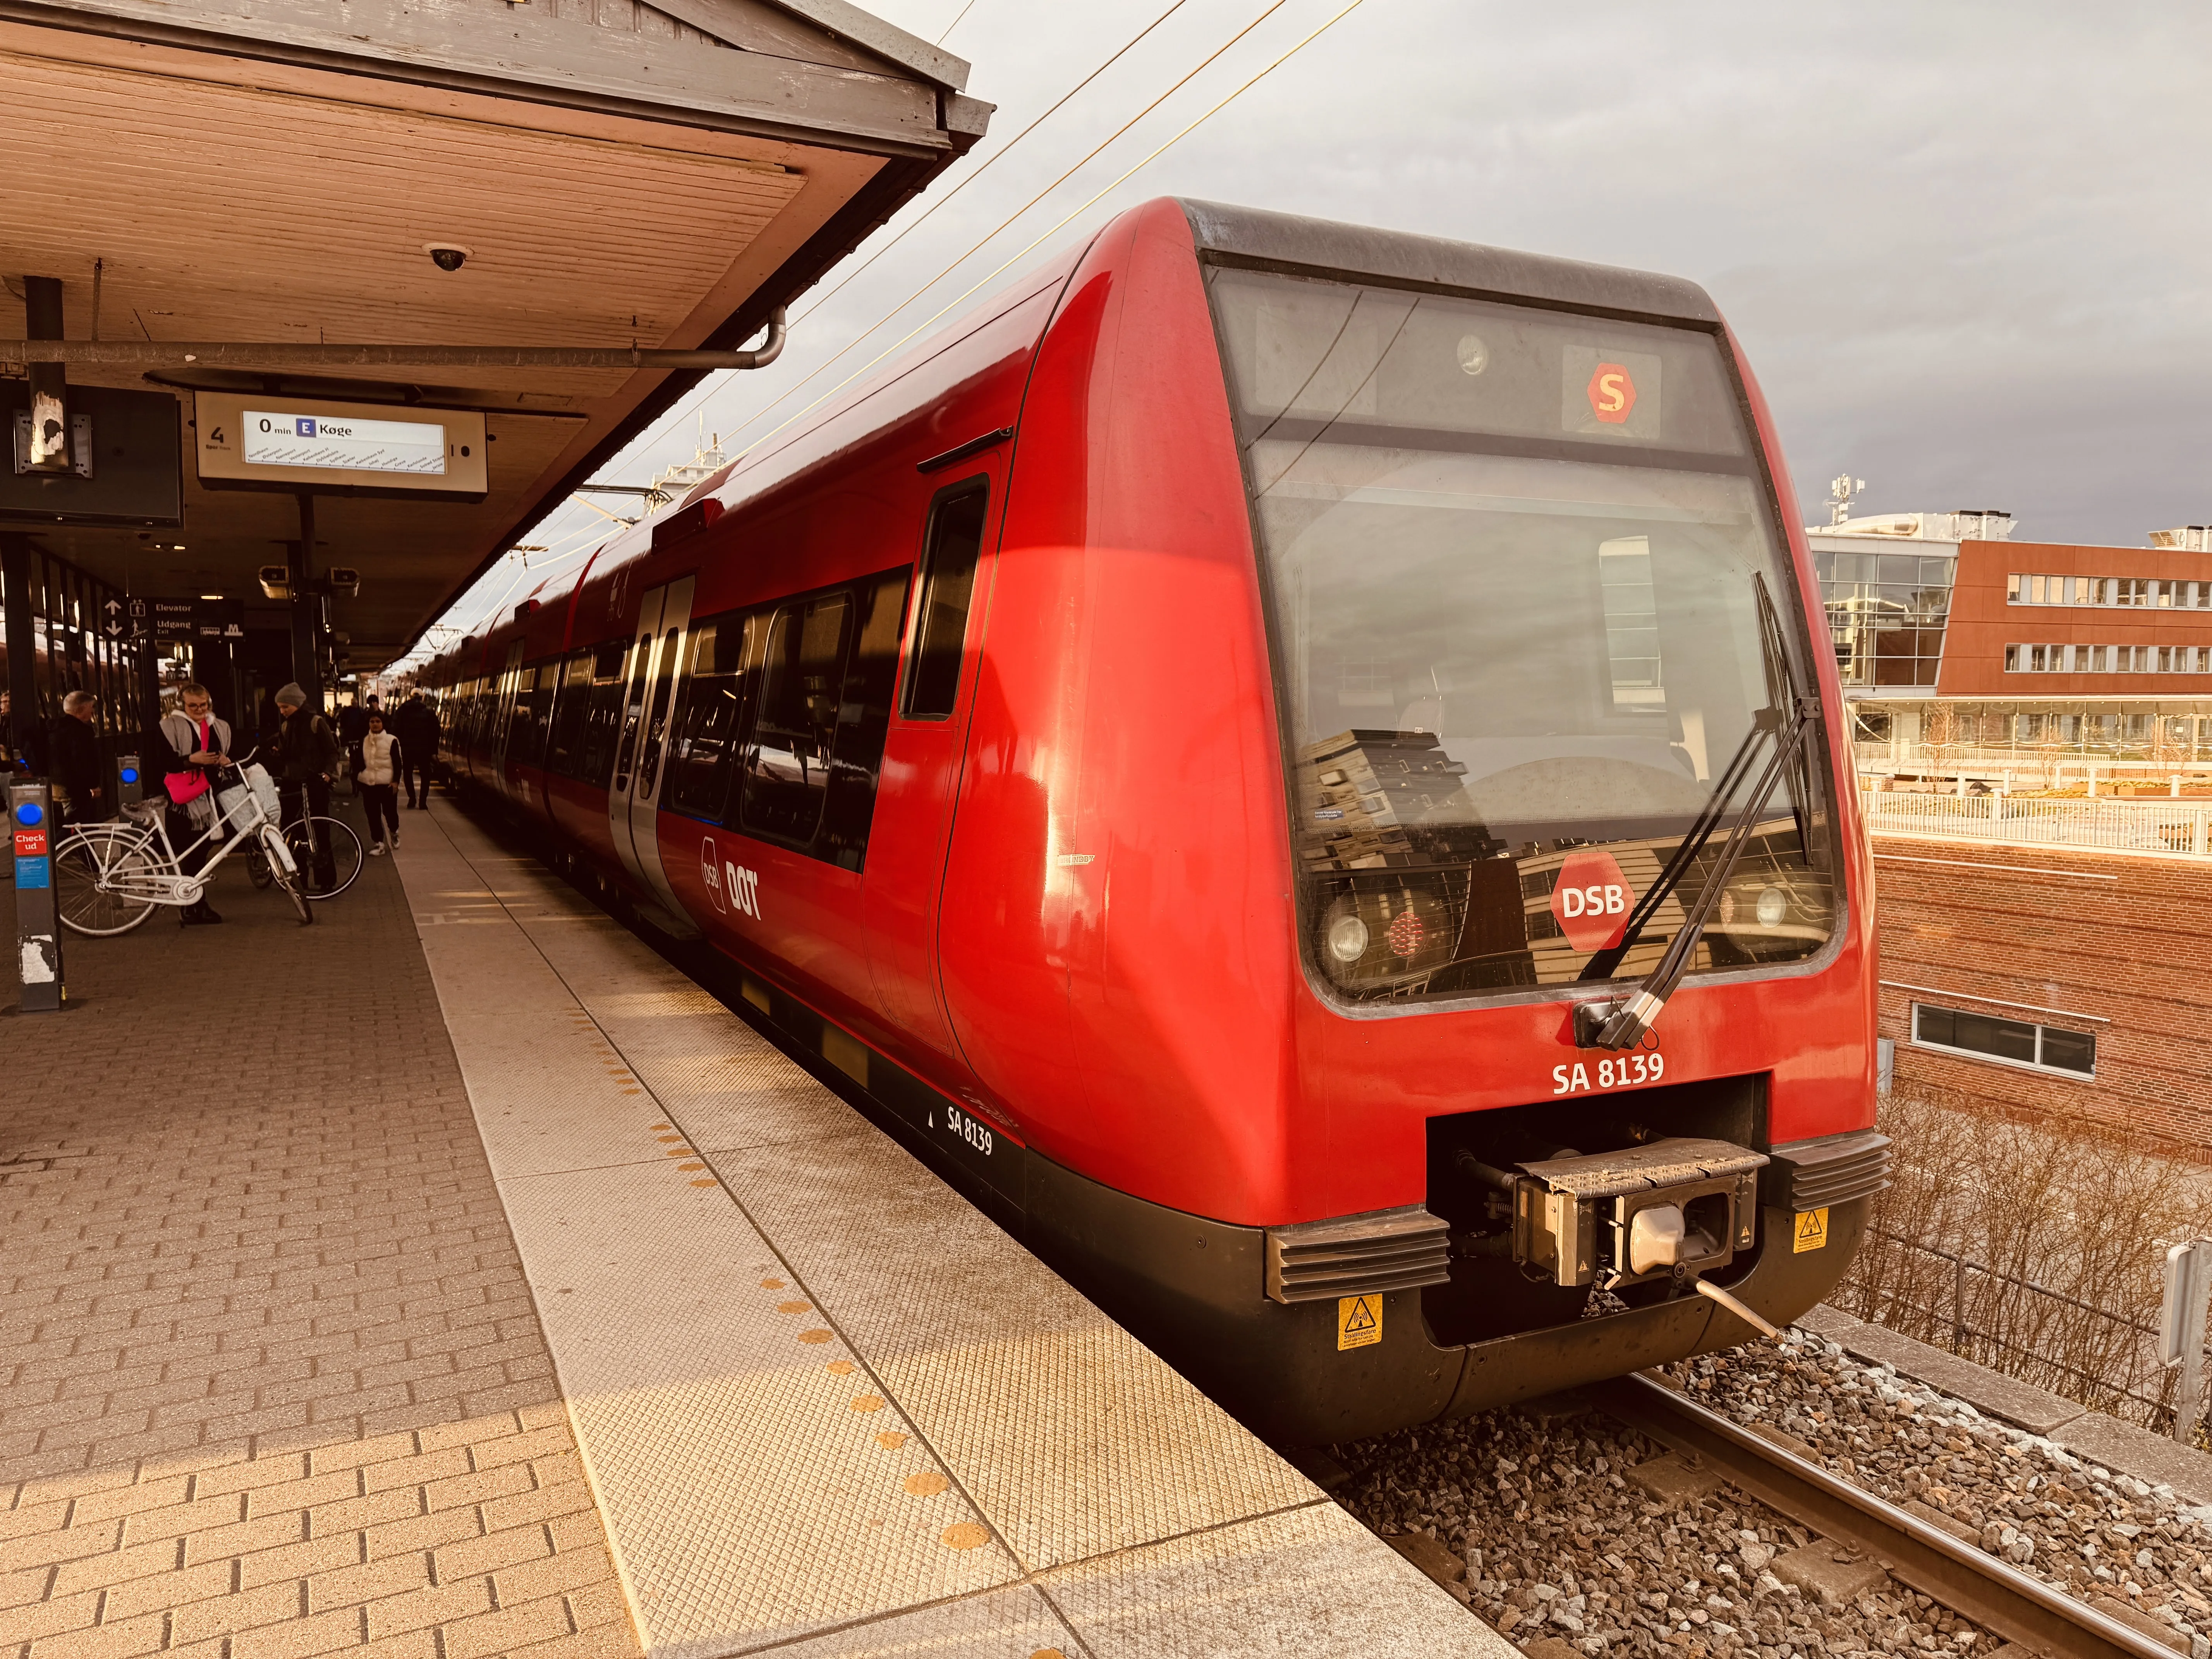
634,798
502,716
906,854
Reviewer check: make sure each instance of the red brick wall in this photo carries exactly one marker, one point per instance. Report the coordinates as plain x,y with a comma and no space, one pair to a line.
2032,926
1982,622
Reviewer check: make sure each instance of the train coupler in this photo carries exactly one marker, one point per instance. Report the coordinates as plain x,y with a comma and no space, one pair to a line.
1674,1208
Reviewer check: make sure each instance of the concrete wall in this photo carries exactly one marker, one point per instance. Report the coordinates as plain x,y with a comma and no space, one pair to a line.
2125,939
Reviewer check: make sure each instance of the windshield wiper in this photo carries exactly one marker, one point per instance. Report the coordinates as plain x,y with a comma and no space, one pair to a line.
1622,1024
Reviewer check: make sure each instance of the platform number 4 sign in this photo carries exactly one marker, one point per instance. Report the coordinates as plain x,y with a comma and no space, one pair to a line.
1359,1321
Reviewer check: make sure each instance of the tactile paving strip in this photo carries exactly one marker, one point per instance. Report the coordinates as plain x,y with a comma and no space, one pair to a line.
767,1486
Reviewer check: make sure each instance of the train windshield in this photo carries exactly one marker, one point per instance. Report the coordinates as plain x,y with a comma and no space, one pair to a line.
1519,562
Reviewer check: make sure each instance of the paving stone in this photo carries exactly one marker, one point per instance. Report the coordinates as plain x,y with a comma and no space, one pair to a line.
240,1288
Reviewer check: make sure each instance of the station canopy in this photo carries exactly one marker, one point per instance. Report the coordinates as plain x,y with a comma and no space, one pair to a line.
617,175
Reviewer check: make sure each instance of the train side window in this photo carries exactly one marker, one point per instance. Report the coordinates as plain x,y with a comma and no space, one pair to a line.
534,710
706,733
788,763
864,717
949,554
603,714
571,702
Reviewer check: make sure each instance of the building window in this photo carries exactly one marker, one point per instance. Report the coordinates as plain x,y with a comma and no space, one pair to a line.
2013,1041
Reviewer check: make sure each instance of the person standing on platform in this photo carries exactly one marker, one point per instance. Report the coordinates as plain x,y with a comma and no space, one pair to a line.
308,757
415,726
381,758
194,745
14,743
80,769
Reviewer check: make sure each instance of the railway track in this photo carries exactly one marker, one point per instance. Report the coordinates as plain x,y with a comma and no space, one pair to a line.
2015,1605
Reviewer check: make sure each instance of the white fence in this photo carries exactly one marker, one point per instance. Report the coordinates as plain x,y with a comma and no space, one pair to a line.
2174,827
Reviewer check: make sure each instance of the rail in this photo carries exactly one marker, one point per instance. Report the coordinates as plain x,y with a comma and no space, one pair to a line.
2015,1605
2124,1349
2175,829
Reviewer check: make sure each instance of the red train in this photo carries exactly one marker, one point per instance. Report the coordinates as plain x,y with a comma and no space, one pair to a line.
1291,762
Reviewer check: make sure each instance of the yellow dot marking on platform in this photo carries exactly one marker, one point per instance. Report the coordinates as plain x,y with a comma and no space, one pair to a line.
1812,1231
688,1169
706,1181
633,1092
793,1307
841,1368
867,1402
927,1484
680,1152
1047,1653
1359,1321
657,1127
814,1336
966,1535
771,1284
890,1440
672,1139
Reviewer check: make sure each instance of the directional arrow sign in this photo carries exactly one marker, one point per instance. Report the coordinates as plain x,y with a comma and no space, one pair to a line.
114,605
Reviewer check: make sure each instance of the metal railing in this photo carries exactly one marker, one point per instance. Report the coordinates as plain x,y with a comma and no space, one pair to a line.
2177,828
2104,1360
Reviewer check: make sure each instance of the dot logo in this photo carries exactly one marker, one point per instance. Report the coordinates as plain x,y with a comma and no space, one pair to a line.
1611,393
1592,901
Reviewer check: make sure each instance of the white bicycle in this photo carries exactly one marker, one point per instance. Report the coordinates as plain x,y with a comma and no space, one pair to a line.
108,877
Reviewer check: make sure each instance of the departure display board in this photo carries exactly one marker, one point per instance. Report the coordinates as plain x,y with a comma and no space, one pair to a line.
243,441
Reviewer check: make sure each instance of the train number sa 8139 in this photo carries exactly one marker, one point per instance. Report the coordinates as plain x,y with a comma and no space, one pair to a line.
1583,1077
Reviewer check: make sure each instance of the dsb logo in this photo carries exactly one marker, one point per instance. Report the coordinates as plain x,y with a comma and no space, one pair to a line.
1591,901
1598,899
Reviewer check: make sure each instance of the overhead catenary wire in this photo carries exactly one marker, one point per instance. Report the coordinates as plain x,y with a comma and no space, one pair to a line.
714,385
954,23
984,165
1039,241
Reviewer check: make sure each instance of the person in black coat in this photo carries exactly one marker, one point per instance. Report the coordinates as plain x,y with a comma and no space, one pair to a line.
79,767
415,726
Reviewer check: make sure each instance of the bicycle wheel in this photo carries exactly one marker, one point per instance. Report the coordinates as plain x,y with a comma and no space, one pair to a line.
258,868
86,864
345,854
289,881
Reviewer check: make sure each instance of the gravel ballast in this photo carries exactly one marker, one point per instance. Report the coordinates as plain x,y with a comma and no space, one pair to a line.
1562,1539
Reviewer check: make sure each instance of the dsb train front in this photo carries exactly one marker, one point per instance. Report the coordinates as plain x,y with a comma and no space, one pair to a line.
1291,762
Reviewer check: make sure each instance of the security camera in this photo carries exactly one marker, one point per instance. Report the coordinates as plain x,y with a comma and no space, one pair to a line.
447,255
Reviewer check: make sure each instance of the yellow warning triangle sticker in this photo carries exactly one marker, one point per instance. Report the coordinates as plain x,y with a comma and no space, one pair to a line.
1359,1321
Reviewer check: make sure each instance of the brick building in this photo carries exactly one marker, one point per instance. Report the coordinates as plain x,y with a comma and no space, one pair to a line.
1945,628
2050,980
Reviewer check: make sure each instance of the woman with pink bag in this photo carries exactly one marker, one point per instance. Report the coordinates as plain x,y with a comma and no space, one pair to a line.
197,743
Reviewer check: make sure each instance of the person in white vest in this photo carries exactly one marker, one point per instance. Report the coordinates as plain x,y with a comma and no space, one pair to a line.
379,780
197,743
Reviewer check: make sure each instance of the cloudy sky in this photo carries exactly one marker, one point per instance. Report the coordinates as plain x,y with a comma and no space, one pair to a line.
1965,244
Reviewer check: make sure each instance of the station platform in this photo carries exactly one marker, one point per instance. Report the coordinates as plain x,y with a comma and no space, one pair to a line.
455,1277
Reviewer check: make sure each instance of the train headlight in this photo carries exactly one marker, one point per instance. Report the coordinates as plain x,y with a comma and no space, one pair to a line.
1348,939
1773,906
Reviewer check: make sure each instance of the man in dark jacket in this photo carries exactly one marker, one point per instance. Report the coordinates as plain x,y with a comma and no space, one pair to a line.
307,759
415,726
80,768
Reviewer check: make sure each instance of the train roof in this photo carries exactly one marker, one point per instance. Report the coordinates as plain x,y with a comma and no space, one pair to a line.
1292,242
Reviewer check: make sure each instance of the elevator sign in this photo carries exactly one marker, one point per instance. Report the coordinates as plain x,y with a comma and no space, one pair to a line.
1591,901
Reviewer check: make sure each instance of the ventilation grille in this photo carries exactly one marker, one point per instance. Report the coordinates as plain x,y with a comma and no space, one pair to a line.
1357,1256
1812,1174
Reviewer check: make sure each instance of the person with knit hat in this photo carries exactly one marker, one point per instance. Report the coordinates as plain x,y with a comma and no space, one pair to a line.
306,755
